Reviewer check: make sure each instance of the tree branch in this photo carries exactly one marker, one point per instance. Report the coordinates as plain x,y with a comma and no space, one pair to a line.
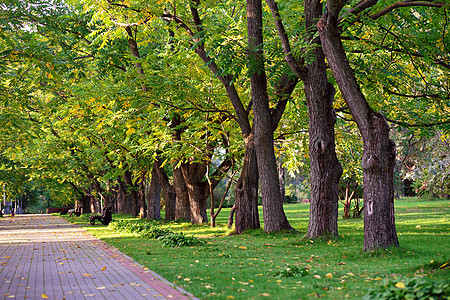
404,4
296,66
424,125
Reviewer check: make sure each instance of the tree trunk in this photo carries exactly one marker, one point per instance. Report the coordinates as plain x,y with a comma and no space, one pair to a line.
246,204
281,179
273,212
84,202
132,193
168,191
193,174
325,167
378,159
83,198
141,198
122,203
181,205
153,195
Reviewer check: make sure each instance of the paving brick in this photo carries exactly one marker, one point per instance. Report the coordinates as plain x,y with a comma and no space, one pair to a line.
45,256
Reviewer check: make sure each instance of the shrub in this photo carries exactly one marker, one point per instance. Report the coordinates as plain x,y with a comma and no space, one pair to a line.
291,199
154,233
415,288
180,240
127,226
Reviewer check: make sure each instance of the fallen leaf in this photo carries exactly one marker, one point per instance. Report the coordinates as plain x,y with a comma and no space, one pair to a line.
400,285
104,268
316,276
44,296
329,275
87,274
264,295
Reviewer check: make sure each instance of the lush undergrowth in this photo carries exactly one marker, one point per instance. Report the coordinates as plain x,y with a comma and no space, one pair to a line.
285,265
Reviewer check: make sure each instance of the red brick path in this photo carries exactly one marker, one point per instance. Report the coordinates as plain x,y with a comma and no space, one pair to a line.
45,256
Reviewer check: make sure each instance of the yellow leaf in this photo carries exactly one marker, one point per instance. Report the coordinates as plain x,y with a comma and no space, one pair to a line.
44,296
104,268
130,131
329,275
242,247
230,297
400,285
86,274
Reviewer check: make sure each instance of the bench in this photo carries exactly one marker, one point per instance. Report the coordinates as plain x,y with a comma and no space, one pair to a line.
105,218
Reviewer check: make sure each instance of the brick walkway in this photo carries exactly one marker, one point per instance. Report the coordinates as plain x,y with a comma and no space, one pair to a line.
43,256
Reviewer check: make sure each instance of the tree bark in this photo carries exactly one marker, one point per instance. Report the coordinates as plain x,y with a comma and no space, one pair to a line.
281,179
325,167
193,175
182,204
123,205
378,159
141,197
245,206
273,212
131,191
168,191
153,196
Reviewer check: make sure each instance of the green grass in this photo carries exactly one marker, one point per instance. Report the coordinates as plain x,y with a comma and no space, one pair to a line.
248,266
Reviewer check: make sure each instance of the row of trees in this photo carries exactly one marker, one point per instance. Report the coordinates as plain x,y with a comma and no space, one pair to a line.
118,102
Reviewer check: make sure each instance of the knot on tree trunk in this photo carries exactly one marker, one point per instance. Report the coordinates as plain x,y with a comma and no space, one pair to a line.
371,162
320,145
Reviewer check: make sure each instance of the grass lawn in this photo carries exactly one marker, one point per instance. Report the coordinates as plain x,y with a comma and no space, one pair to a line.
257,265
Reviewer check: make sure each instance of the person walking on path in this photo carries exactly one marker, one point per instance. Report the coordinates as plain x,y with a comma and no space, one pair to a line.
45,257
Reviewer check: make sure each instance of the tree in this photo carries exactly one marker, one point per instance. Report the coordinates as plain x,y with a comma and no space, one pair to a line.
274,217
319,92
378,160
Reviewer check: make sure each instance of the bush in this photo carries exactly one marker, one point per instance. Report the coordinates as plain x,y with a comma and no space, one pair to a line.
154,233
415,288
180,240
127,226
143,229
291,199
